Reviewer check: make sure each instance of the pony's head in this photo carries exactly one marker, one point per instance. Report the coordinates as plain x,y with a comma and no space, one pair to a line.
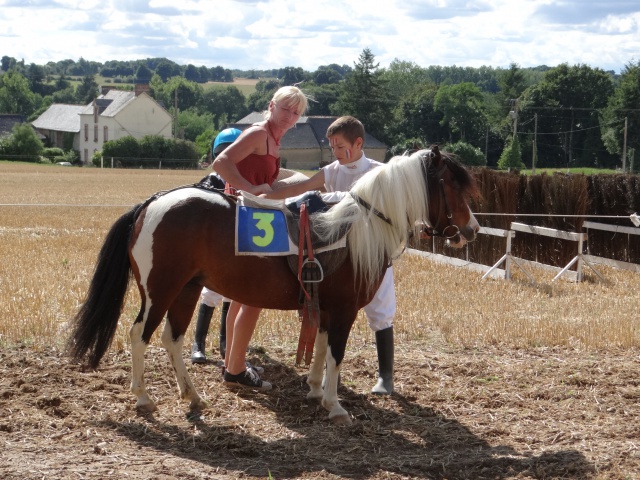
449,187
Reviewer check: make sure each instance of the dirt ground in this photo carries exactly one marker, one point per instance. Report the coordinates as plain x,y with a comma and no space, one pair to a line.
490,413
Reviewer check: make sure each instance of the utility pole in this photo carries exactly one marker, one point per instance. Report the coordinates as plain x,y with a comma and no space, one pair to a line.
535,144
175,109
514,116
486,144
624,147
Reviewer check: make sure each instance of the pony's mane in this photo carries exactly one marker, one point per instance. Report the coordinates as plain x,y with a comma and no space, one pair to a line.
397,190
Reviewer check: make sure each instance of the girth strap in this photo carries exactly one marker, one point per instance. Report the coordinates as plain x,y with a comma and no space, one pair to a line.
309,275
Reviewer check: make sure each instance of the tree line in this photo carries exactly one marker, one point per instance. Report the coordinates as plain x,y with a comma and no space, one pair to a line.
563,116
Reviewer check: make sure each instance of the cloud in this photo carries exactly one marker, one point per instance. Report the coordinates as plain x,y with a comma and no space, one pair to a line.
584,12
264,34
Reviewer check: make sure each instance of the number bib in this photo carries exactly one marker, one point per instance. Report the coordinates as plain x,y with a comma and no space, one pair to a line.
261,231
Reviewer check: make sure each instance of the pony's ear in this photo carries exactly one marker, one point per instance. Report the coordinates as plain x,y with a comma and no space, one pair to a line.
436,156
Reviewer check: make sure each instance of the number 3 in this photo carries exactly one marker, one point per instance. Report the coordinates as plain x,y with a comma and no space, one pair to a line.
264,224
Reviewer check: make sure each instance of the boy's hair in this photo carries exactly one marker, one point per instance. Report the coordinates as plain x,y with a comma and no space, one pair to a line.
349,127
290,97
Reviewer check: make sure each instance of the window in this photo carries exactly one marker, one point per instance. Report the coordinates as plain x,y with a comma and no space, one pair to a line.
95,133
86,132
106,134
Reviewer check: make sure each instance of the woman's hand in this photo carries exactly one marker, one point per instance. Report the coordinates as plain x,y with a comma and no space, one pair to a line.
260,189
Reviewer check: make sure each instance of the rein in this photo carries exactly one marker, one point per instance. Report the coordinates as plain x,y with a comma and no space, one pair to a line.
372,209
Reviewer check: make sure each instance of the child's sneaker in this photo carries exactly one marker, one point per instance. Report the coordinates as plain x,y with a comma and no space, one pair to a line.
247,379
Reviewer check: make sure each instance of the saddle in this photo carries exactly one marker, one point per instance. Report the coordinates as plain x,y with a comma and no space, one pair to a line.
316,258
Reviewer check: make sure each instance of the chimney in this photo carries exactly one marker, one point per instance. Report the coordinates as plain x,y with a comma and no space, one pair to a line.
142,87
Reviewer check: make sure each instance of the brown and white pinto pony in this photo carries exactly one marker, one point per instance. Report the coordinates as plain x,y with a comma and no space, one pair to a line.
178,242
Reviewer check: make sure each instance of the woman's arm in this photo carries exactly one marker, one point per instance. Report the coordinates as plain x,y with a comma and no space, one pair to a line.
251,141
314,183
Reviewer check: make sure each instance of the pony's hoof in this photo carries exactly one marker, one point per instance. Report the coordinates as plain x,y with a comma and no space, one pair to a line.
315,396
342,419
146,407
197,405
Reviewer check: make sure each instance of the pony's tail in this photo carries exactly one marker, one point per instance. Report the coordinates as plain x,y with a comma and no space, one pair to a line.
95,323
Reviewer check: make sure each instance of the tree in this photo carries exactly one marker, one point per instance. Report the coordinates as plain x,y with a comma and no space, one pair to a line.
24,142
568,101
512,84
403,78
323,97
189,94
511,157
193,123
259,100
463,110
192,73
325,75
468,154
7,62
416,117
364,95
225,104
167,69
87,91
143,74
15,95
291,75
623,104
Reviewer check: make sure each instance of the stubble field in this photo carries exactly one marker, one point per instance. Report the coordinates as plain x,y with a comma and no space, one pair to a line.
494,379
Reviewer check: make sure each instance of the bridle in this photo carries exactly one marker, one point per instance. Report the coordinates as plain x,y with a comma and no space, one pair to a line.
451,231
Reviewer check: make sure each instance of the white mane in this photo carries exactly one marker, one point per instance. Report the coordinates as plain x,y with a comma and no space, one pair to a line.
397,190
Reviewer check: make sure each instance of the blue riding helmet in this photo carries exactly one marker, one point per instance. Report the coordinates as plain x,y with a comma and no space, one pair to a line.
225,138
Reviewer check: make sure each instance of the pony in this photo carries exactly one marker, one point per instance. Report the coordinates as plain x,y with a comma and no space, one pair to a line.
176,242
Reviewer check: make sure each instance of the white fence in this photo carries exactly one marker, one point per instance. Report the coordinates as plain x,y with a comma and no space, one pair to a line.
634,267
580,260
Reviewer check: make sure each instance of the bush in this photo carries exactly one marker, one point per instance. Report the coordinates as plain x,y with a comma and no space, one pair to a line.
129,152
511,157
467,154
23,144
52,152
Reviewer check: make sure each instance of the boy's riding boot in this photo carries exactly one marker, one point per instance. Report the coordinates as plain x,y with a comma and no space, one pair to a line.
223,328
384,343
202,327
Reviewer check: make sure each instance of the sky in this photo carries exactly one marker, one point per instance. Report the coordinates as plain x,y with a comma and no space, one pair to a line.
266,34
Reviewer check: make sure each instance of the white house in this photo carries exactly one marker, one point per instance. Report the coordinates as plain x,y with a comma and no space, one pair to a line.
113,115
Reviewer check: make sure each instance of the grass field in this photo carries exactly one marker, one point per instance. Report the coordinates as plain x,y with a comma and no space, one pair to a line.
48,245
246,85
493,379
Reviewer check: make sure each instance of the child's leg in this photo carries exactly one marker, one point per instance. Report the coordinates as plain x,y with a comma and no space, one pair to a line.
242,331
380,313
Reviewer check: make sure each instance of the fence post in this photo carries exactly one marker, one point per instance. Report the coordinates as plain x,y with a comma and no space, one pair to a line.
101,162
111,162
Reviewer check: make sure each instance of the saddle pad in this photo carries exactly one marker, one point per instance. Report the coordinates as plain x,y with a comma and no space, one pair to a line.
262,228
262,231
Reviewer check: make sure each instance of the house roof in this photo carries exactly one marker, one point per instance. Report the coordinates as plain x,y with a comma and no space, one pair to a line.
111,102
7,121
60,117
309,132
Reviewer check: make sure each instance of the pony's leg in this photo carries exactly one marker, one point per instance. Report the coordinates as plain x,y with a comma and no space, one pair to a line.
178,318
337,414
138,348
338,333
314,380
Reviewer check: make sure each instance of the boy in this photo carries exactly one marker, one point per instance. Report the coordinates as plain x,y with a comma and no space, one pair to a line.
346,137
